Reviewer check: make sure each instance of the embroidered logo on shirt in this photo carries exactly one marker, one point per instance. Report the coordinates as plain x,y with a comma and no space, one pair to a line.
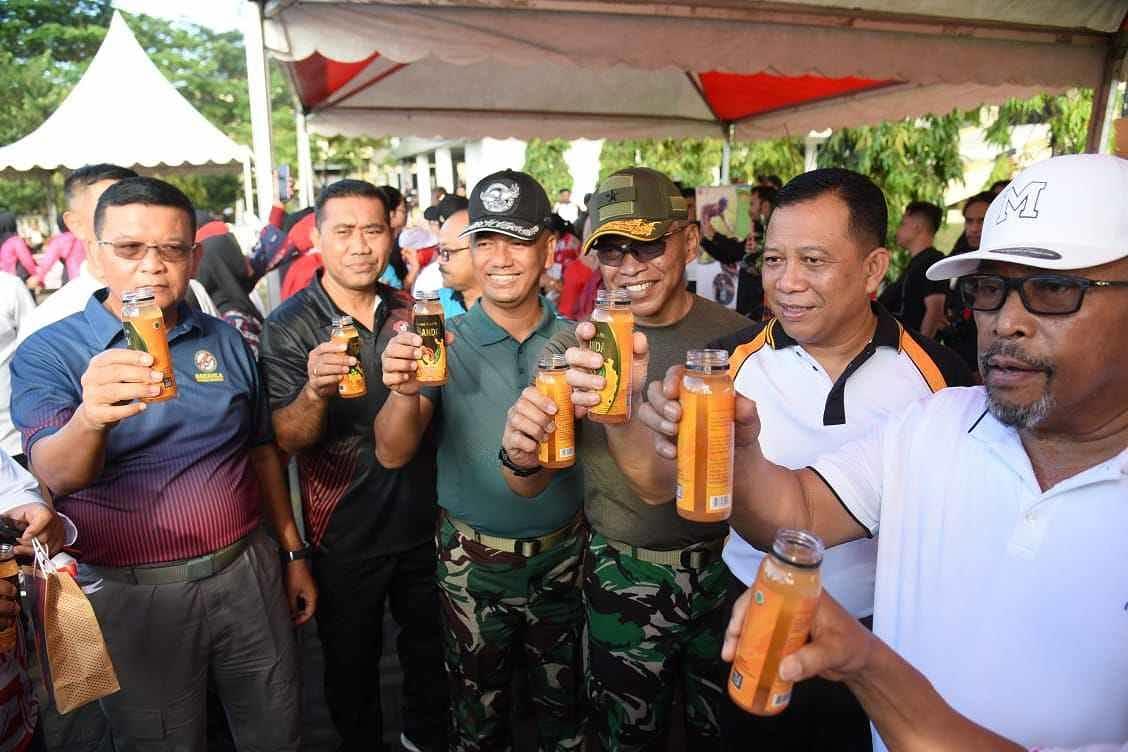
206,366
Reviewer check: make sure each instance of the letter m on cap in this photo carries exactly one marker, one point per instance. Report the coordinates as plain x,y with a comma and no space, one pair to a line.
1025,202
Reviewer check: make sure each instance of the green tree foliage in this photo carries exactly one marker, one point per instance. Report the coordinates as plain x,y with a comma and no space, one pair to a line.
45,46
544,160
1067,115
911,160
696,162
778,156
692,162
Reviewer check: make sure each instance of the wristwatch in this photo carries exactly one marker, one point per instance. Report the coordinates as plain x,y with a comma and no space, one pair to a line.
299,555
520,472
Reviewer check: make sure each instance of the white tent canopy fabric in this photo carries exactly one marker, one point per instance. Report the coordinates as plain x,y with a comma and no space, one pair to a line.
627,68
483,99
123,111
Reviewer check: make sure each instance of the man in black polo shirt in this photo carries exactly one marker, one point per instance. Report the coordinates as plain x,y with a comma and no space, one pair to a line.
371,528
914,299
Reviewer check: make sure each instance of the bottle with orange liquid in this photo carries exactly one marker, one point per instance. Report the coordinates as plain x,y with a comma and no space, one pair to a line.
560,448
778,621
705,437
352,383
144,326
430,324
614,340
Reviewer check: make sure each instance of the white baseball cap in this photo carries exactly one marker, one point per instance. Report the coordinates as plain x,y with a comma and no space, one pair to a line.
417,237
1068,212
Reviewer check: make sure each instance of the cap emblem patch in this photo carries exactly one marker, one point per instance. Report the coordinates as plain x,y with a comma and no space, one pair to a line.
499,197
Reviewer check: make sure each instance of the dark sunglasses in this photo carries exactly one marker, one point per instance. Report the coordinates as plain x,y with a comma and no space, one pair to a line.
1044,294
611,250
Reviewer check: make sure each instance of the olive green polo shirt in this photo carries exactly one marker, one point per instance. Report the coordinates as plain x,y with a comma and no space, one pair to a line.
486,371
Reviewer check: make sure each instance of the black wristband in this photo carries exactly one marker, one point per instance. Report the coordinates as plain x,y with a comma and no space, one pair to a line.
520,472
292,556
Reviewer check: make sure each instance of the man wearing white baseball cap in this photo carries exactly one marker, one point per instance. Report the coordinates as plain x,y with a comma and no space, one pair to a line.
1000,609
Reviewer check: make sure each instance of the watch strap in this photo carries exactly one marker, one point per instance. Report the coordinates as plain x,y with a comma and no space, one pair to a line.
298,555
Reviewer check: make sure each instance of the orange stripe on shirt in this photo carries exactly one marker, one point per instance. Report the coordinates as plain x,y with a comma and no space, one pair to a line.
742,352
923,362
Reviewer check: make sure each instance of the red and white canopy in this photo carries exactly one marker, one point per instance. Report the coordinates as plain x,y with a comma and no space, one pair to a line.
628,68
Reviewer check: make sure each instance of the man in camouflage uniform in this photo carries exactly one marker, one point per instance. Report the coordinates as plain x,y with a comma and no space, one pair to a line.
654,583
509,567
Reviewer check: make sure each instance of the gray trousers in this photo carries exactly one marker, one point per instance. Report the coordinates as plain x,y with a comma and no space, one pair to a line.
164,639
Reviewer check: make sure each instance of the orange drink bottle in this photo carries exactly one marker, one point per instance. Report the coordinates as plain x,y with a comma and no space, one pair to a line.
560,448
352,383
784,597
705,437
430,324
144,326
614,340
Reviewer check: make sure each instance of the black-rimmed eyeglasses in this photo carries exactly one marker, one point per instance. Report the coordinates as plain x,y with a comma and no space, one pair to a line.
1044,294
446,253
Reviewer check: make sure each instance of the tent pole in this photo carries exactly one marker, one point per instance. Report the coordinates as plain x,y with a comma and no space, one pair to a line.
248,185
305,157
726,153
258,87
1102,114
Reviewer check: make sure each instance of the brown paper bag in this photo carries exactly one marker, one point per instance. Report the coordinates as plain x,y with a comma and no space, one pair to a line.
76,664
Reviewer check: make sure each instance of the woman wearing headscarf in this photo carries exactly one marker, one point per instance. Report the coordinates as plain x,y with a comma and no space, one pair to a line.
226,274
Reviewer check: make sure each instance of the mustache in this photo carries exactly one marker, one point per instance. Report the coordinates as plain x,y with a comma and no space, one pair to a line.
1004,349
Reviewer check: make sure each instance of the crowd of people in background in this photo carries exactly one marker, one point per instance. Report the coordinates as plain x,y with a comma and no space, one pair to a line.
963,523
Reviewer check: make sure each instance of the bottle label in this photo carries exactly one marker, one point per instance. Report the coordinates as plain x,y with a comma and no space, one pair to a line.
353,383
147,335
615,394
705,452
432,364
561,444
775,626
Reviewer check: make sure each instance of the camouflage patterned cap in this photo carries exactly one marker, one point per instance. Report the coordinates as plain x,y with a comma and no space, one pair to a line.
638,203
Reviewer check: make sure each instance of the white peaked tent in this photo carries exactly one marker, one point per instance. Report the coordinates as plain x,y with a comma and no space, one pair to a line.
125,112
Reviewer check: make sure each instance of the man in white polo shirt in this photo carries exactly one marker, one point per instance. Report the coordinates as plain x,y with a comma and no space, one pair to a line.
1003,509
822,373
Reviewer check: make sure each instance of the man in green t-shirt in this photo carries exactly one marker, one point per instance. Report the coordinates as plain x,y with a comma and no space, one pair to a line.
509,566
654,583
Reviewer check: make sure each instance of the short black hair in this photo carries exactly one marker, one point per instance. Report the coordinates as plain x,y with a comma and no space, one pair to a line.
563,190
931,213
775,180
998,185
88,175
766,193
869,216
689,192
986,197
392,196
146,191
349,188
451,204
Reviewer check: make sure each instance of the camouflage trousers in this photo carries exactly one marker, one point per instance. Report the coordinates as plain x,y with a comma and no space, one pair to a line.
652,629
496,605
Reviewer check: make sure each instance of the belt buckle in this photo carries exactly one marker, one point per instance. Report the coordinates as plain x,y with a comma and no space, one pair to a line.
696,558
528,548
199,569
